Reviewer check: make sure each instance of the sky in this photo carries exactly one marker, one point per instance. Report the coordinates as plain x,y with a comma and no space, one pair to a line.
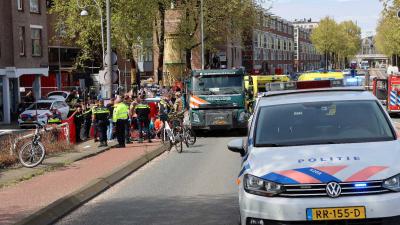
365,12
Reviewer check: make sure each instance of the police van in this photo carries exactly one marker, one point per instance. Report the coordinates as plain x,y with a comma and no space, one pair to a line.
319,156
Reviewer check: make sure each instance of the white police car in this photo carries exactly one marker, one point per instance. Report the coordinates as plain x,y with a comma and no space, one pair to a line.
319,156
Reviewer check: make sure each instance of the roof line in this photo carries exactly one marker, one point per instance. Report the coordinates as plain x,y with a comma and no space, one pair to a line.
279,93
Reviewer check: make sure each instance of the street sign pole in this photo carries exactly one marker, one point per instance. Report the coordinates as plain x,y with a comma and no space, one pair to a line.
108,85
202,35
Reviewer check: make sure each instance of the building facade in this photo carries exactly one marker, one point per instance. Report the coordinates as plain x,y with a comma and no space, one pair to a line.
269,49
62,57
23,51
306,57
370,54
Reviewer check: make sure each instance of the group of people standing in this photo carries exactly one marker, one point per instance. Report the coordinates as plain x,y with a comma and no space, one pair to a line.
124,114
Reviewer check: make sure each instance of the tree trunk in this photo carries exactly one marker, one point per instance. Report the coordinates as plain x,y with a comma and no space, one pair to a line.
135,73
161,37
188,60
326,60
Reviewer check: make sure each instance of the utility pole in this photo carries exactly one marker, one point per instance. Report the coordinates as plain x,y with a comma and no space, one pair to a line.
59,77
202,35
108,87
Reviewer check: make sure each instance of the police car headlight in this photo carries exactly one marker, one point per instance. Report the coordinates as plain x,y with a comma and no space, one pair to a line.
257,186
392,183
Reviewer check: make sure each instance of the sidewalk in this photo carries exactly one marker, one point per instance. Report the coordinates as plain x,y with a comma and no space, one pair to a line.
57,192
82,150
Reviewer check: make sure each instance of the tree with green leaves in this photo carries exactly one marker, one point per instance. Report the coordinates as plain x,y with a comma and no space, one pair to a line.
132,22
387,38
350,42
337,42
224,21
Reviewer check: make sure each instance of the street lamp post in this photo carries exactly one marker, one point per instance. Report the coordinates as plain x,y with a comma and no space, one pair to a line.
108,86
202,34
86,13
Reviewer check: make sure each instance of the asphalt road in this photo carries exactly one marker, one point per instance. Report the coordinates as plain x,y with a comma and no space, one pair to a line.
193,188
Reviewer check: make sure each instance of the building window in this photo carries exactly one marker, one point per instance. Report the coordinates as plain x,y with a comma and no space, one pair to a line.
36,42
21,40
20,5
265,41
34,6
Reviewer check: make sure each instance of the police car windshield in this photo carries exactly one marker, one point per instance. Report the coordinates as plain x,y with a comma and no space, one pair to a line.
321,123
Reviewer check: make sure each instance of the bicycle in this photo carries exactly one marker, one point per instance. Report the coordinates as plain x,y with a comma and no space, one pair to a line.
175,134
32,153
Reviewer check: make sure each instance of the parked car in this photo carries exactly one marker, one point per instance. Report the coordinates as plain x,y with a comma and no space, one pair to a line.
41,110
59,95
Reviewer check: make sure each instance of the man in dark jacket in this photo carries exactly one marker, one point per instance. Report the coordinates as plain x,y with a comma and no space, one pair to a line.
101,116
143,112
78,120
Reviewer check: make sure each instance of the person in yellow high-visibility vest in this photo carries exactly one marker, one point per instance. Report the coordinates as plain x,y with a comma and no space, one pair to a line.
120,118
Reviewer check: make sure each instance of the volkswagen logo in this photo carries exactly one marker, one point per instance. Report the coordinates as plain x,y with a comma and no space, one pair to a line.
333,189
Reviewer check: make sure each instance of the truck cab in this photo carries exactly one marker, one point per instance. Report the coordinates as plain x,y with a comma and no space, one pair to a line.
217,99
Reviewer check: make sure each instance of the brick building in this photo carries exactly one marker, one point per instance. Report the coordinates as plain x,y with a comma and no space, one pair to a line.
23,51
269,49
62,56
305,56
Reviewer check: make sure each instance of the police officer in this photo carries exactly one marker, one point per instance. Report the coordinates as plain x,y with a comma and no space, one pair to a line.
127,102
120,118
87,122
78,120
100,117
143,113
94,125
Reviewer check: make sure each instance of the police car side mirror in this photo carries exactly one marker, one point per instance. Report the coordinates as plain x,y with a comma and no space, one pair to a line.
237,146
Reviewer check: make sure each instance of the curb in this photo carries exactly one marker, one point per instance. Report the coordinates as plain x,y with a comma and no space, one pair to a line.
61,207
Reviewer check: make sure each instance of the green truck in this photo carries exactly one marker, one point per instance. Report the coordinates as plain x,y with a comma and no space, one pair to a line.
216,99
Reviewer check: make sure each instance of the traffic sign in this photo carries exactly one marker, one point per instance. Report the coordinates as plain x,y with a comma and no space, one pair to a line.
114,59
105,79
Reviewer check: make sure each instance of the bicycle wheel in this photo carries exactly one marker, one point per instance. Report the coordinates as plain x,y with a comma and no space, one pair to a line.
178,141
31,154
179,145
191,136
186,139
